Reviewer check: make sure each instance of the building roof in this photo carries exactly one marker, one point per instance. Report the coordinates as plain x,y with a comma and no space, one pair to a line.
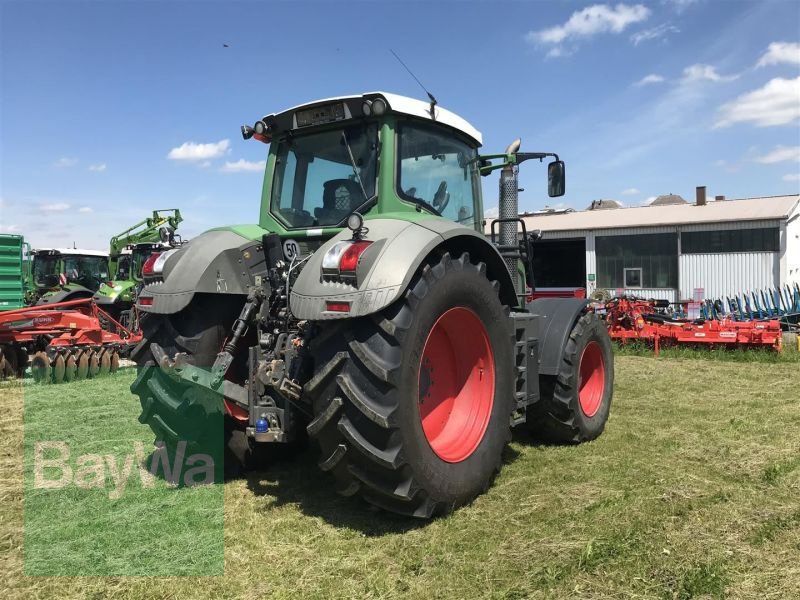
408,106
745,209
667,199
604,204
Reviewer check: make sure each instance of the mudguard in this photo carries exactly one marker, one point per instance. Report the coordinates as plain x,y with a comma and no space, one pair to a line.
74,293
215,262
557,316
398,249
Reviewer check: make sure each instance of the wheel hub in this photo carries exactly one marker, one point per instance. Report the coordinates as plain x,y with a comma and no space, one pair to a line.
591,379
456,384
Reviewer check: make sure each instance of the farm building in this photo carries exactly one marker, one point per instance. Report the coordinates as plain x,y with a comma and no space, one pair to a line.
671,248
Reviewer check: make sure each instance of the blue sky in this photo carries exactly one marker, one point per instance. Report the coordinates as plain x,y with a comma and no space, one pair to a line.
112,109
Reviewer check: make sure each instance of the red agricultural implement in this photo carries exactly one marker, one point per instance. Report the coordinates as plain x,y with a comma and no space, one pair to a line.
68,340
646,320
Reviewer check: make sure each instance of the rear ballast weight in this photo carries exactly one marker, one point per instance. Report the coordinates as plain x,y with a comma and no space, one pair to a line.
372,314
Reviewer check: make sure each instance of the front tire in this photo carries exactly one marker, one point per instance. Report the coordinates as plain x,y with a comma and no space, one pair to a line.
412,406
574,405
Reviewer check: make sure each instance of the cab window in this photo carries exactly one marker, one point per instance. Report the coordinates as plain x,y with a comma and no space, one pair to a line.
438,171
319,176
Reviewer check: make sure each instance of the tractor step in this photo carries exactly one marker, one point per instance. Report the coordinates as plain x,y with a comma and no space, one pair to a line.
526,364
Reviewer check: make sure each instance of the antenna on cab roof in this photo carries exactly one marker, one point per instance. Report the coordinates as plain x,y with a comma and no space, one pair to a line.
431,97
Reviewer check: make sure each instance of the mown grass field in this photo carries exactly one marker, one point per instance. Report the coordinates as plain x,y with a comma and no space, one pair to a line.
693,491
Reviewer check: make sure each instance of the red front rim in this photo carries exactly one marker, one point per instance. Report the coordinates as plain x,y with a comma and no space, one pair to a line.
456,384
592,379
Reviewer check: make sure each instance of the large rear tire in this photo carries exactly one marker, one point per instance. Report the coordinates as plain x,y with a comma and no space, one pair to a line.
175,411
574,406
412,406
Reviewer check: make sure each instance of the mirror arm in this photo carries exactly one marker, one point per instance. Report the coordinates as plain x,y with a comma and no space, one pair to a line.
509,159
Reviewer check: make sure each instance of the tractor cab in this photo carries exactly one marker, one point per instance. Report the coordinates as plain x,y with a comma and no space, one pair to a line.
375,154
67,273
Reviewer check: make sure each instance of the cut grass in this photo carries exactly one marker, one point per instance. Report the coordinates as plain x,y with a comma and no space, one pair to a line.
691,492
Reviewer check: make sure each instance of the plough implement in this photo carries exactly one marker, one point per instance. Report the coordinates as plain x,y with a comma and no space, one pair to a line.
67,340
651,321
774,303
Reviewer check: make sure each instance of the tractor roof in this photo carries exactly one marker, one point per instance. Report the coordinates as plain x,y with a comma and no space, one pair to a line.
403,105
73,251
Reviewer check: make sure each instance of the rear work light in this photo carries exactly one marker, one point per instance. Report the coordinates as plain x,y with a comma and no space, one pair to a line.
342,258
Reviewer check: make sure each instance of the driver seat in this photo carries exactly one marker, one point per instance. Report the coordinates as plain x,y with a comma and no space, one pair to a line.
339,198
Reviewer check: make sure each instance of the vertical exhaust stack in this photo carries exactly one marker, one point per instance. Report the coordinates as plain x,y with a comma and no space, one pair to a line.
700,197
509,209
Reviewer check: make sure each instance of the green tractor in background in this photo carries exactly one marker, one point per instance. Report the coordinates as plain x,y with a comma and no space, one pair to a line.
47,275
368,311
129,251
63,274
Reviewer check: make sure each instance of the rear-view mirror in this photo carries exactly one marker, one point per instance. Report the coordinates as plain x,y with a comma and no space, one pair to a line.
556,179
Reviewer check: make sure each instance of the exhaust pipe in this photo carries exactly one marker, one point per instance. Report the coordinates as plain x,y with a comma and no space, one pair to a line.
509,209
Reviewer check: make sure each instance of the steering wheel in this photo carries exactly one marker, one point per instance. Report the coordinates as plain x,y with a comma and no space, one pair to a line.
441,198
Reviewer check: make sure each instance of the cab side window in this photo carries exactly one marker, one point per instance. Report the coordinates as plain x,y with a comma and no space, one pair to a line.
438,170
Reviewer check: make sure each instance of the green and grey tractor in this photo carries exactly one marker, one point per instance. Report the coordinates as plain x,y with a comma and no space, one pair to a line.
368,311
63,274
128,253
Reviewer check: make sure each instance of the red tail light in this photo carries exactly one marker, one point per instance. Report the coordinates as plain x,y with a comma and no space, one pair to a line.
350,257
337,307
146,301
147,267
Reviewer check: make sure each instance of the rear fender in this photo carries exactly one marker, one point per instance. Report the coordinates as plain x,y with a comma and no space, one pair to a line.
398,250
215,262
557,317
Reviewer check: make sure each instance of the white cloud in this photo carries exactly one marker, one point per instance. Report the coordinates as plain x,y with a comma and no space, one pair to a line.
98,168
492,213
780,154
649,200
65,162
592,20
777,103
55,207
696,73
560,52
9,228
630,191
780,52
243,165
791,177
193,151
653,33
649,79
85,209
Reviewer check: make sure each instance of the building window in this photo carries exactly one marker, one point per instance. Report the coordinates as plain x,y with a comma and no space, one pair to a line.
650,259
633,278
765,239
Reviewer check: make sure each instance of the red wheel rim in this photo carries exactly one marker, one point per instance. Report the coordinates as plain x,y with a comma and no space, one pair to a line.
456,385
592,379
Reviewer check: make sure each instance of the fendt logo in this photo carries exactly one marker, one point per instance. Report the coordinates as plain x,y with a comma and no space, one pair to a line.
87,471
